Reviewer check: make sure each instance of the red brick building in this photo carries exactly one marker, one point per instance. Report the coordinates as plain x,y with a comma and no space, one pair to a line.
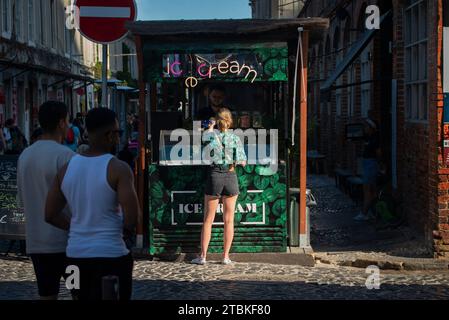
395,74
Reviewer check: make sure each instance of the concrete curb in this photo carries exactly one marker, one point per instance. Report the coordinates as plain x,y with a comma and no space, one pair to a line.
307,258
383,262
296,257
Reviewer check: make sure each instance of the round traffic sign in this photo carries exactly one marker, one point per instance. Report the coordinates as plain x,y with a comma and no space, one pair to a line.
103,21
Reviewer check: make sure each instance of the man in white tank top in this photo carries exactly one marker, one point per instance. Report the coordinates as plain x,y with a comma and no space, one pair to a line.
99,190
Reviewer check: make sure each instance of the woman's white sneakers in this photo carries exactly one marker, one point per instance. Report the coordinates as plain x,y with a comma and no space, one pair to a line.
199,260
202,261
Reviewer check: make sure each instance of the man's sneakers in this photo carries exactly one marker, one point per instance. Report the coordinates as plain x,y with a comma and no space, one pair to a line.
199,260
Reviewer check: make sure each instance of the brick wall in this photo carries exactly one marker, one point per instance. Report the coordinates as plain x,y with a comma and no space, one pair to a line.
423,192
438,180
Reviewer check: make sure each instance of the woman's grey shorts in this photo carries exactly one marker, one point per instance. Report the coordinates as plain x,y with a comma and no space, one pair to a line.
222,184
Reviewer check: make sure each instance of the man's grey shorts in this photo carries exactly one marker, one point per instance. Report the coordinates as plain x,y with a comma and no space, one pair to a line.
222,184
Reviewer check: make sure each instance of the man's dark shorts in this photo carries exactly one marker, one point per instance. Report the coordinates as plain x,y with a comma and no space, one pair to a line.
92,271
49,269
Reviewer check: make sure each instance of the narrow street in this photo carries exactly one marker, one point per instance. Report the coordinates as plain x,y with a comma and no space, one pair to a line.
333,229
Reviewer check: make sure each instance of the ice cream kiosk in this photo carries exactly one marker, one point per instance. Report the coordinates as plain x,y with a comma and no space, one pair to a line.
262,67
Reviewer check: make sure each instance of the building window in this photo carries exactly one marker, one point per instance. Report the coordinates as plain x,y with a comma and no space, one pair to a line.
18,14
41,23
338,103
416,60
97,56
69,36
352,92
81,48
31,20
6,16
366,72
289,8
52,24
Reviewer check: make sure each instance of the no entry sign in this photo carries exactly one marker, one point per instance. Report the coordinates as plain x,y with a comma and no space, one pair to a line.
103,21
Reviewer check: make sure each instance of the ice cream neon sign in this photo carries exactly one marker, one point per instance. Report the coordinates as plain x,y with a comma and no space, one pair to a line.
207,71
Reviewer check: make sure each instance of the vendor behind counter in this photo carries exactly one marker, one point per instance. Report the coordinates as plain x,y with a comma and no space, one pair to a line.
217,97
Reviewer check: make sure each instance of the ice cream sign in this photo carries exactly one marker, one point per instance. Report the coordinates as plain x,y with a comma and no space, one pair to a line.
195,68
186,210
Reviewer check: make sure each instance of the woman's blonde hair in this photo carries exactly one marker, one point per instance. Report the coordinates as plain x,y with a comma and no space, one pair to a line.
224,119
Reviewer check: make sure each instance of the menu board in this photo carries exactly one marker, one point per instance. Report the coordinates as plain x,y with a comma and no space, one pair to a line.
12,218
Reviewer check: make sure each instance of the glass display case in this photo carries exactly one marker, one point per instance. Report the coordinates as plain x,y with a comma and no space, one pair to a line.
181,147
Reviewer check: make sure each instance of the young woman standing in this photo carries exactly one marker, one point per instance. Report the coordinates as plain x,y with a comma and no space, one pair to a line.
221,182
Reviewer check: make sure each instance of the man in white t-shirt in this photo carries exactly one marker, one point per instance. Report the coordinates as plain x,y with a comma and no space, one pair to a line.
36,170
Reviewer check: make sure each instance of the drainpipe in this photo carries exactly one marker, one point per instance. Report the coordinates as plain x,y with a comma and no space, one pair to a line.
300,91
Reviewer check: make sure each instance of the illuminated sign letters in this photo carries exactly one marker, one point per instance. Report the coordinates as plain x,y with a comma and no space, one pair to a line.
204,70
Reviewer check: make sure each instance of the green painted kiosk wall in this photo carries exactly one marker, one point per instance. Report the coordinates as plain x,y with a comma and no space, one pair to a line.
176,201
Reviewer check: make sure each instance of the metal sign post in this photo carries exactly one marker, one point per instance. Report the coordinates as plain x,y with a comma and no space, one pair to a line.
104,90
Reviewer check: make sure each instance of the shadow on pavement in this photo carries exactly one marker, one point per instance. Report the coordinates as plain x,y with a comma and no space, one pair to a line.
249,290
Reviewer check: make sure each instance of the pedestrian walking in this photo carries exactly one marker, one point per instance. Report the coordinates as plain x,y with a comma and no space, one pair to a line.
37,166
221,182
372,160
73,136
79,123
135,128
15,139
99,189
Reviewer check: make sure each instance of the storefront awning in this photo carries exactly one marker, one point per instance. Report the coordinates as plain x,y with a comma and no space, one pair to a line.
111,81
38,68
125,88
227,29
353,53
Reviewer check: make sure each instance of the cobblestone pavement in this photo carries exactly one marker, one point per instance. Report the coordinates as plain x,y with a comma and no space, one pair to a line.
242,281
333,228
